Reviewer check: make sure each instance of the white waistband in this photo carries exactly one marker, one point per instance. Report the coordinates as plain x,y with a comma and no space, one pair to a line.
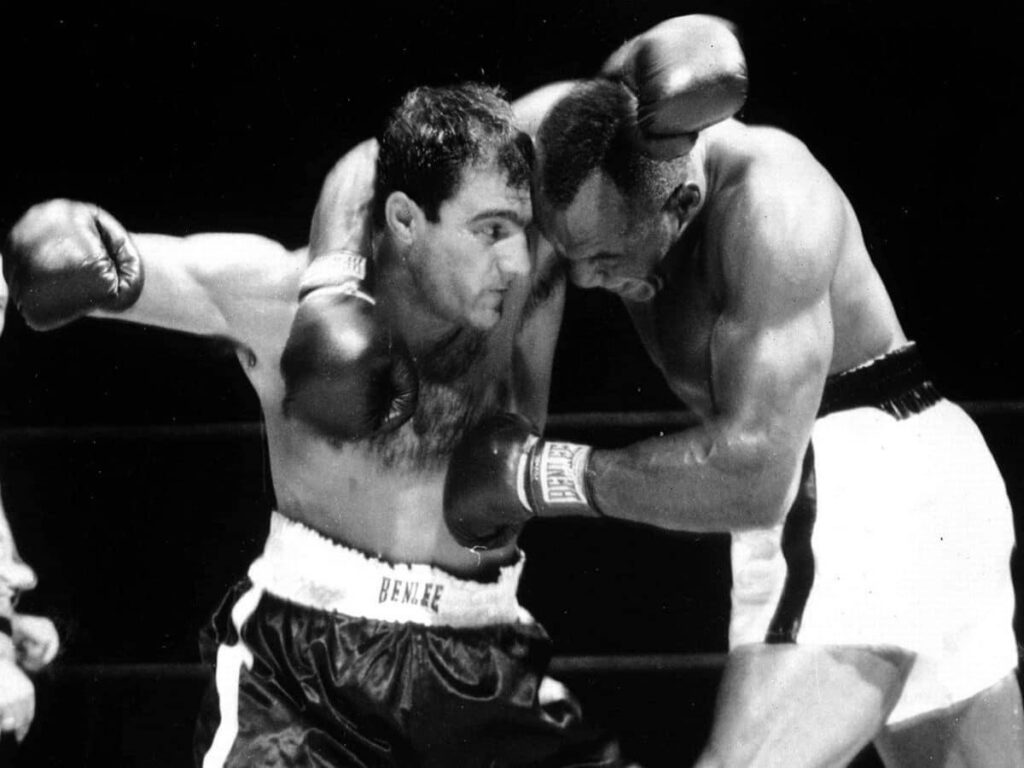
301,565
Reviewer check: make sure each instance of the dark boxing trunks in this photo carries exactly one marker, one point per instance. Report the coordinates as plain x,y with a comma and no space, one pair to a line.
302,685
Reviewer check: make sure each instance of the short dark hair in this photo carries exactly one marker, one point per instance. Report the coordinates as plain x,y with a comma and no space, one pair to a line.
592,127
435,133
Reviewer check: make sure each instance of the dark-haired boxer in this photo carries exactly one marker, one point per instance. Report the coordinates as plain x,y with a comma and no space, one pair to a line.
871,530
27,643
364,635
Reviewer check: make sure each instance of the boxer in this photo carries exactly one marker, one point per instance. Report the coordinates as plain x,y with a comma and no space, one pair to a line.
364,634
871,531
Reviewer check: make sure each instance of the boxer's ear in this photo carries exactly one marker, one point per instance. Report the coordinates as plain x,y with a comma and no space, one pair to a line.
402,216
684,202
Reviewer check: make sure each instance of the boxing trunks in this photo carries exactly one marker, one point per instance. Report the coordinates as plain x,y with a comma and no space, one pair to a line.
325,656
900,536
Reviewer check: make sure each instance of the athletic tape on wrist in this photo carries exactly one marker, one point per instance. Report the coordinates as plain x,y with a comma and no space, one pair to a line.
558,478
521,476
333,268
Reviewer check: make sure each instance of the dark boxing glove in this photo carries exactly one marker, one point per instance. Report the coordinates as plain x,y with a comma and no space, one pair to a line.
687,73
502,474
63,259
345,374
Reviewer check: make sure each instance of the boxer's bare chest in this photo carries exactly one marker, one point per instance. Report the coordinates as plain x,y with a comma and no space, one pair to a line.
383,495
676,328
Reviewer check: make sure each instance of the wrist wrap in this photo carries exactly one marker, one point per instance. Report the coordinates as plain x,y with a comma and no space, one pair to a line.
333,268
557,479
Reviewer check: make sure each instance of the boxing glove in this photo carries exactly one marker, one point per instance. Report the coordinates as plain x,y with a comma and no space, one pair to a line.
63,259
687,73
346,375
502,474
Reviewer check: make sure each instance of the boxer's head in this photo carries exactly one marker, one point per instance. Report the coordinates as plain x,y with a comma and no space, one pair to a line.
612,211
452,197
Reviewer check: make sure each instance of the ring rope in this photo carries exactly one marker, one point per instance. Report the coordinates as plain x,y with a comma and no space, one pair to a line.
560,665
556,422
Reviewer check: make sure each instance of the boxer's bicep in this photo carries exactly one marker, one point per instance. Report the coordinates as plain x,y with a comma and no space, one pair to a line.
771,346
767,378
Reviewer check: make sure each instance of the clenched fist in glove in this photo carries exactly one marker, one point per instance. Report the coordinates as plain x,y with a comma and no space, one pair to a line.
687,73
63,259
502,474
346,374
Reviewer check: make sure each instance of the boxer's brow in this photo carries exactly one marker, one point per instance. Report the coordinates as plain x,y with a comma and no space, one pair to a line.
503,213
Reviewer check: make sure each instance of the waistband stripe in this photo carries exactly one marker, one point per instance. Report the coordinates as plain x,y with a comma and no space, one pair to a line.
896,383
302,566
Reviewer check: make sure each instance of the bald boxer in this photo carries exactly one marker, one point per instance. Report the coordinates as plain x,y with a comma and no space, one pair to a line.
871,596
27,643
364,635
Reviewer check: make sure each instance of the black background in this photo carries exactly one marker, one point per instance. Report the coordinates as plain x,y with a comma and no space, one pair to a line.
186,118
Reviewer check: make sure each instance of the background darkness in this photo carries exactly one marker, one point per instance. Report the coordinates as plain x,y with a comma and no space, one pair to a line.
137,508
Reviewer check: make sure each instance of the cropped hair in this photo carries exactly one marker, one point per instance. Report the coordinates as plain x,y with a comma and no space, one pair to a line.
436,133
593,127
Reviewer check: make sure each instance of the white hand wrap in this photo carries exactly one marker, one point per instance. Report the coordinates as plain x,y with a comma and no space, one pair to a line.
333,268
557,477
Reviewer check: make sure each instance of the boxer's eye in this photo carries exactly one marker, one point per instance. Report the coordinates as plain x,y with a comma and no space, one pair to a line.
493,232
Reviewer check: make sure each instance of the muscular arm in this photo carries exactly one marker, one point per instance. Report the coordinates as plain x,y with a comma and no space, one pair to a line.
237,285
770,351
229,285
341,221
538,335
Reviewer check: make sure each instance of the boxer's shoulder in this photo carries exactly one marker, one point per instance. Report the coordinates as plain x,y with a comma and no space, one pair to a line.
773,198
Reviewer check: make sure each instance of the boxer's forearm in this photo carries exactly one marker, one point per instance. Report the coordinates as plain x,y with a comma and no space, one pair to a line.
213,284
342,218
696,480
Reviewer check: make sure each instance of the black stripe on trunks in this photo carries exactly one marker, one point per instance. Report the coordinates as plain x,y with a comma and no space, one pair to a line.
896,383
796,549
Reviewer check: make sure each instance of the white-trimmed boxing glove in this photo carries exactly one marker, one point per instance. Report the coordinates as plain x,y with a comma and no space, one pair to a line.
503,473
346,375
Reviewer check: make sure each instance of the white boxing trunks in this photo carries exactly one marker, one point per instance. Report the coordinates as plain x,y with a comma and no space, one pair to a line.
907,544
